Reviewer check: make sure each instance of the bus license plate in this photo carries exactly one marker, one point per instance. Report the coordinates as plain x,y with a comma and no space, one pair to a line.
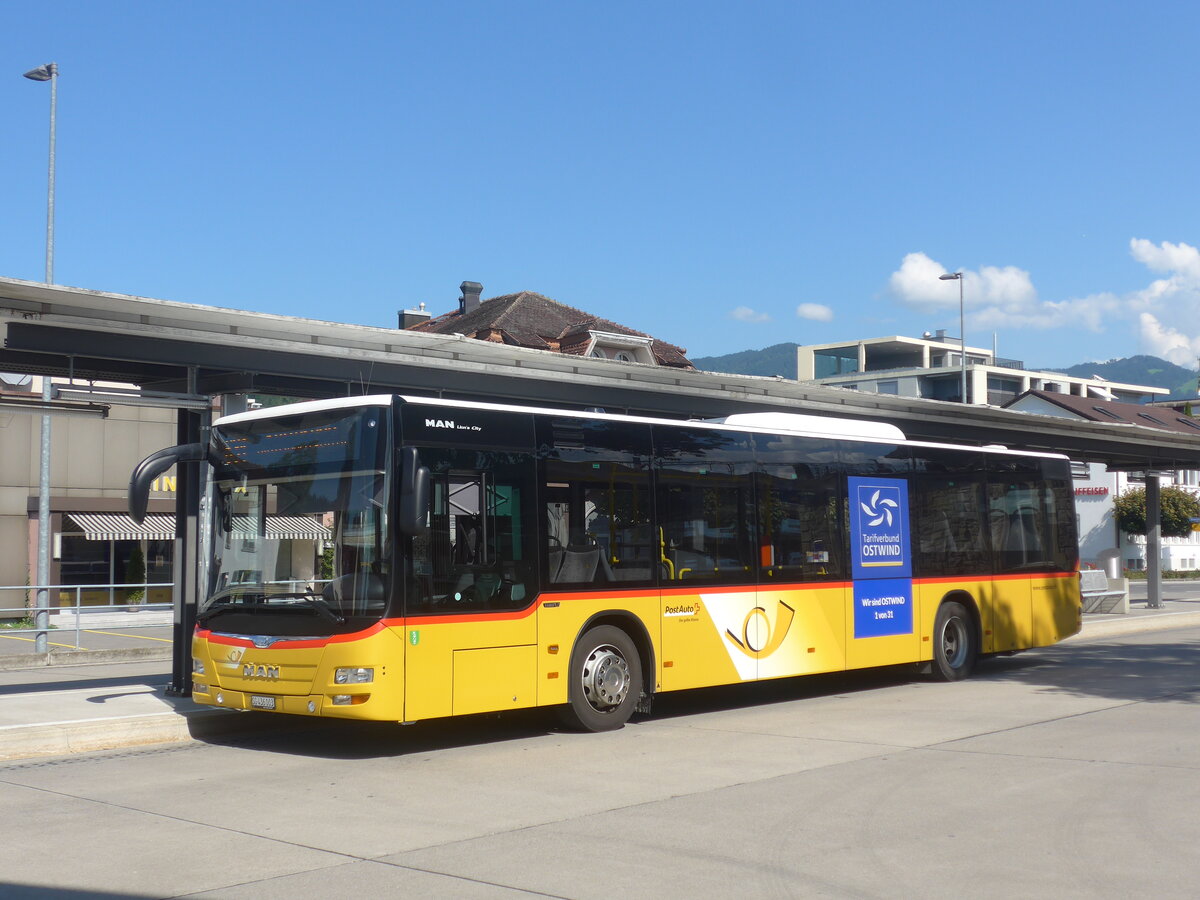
257,701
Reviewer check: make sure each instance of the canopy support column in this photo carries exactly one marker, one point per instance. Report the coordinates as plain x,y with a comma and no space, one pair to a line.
1153,543
192,427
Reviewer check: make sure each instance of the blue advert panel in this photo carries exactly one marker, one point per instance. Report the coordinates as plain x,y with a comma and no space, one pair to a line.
881,556
883,607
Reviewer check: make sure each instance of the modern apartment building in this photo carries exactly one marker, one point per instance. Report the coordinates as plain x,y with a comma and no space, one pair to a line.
932,367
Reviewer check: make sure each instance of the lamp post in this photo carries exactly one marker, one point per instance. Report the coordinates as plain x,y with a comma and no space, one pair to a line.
962,328
48,72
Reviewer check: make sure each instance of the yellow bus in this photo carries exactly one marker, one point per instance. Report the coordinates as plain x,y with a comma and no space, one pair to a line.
404,558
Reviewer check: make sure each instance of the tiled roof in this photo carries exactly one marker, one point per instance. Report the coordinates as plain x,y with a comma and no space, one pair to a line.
532,320
1117,412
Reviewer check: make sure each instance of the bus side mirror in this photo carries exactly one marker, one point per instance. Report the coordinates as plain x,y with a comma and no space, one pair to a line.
154,465
414,494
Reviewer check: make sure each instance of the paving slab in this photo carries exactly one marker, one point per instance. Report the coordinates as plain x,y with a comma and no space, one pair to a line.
70,702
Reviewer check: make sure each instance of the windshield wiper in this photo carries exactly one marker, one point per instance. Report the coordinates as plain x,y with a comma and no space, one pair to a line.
316,605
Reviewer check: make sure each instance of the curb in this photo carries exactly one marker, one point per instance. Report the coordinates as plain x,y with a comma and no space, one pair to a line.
80,657
19,743
1119,625
188,722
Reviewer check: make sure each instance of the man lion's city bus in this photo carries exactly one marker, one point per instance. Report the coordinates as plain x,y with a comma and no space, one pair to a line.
401,558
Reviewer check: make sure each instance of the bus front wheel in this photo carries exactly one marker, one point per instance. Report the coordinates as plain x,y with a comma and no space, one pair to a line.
954,643
605,680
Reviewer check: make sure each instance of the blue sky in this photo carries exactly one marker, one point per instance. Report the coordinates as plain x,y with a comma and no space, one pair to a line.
724,176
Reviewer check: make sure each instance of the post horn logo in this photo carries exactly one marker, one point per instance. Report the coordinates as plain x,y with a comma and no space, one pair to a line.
765,640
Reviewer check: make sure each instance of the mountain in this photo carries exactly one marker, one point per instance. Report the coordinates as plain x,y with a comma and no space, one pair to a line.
778,359
1140,370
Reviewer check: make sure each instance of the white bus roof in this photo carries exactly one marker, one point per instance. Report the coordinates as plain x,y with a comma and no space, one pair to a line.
768,422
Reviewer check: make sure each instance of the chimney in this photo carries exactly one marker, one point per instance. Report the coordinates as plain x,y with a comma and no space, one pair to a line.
470,296
411,317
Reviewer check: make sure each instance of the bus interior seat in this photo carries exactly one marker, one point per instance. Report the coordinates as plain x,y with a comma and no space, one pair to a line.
556,561
579,565
936,536
998,526
355,591
468,534
690,564
1022,530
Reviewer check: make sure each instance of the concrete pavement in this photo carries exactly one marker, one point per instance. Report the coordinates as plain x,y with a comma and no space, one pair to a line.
86,701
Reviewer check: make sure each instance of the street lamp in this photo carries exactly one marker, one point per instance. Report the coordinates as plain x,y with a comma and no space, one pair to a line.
962,328
48,72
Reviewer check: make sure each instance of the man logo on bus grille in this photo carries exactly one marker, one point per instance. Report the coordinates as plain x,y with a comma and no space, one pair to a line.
250,670
764,641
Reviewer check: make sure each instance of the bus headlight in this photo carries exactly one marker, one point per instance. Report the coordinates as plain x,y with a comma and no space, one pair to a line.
197,665
353,676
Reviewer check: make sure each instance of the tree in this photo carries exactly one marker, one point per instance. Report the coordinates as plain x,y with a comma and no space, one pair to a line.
1177,508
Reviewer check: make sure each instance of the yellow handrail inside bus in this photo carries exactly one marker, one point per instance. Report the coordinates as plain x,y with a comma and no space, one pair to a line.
662,556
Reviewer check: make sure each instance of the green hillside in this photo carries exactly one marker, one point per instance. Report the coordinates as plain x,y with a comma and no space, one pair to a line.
1151,370
778,359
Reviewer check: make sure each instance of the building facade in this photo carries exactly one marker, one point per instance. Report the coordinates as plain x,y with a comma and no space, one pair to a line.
93,542
1096,489
931,367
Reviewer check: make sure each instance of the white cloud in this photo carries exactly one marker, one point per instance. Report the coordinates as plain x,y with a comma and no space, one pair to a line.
1165,342
746,314
918,284
1180,260
817,312
1164,315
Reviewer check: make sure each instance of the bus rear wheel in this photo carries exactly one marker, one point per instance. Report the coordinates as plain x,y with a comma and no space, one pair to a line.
954,643
605,680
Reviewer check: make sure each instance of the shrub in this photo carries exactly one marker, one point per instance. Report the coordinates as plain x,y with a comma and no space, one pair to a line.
1177,508
135,573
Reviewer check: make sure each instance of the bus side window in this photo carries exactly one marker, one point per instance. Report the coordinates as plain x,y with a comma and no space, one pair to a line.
596,504
801,515
705,503
950,526
1021,514
476,555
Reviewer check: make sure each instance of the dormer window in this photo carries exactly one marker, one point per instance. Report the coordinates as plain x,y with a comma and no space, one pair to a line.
621,347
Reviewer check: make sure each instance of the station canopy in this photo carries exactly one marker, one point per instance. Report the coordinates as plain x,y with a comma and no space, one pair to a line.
183,353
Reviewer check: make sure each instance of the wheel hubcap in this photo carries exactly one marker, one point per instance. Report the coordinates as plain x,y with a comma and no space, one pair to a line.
605,678
954,643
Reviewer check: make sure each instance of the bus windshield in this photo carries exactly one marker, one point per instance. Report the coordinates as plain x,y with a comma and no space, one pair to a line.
299,523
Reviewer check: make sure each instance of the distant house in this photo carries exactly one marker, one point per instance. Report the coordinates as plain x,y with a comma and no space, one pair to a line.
531,320
1096,488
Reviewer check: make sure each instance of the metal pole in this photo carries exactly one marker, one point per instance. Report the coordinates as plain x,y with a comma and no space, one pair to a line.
1153,543
50,192
42,617
962,330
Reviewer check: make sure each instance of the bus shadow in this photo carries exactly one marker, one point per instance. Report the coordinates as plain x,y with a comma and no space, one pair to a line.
1121,672
1150,672
349,740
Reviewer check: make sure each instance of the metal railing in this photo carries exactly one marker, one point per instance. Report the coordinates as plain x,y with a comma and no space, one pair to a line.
63,614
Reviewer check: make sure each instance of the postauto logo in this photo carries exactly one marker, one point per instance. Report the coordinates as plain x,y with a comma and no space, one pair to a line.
759,638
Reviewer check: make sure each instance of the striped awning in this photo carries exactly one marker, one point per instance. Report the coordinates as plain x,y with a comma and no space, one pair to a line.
117,527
